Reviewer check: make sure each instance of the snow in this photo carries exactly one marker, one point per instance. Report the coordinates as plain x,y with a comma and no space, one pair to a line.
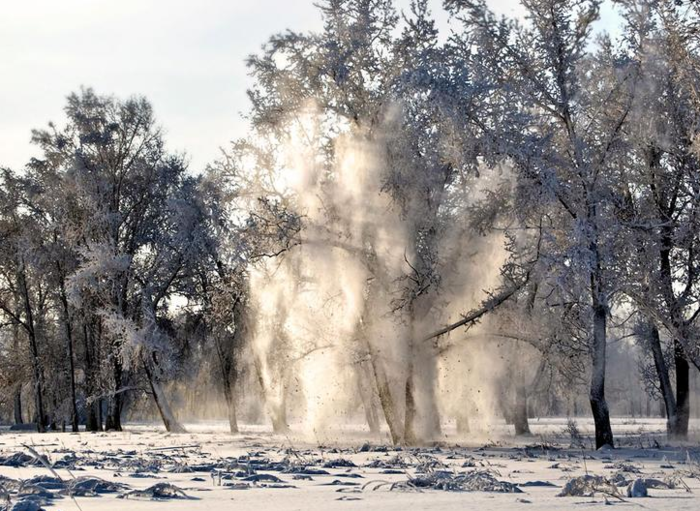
194,461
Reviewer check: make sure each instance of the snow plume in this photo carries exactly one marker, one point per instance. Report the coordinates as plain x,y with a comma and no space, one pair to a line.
334,338
470,368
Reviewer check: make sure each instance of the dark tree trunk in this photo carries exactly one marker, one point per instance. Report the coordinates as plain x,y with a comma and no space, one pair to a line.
387,402
520,420
682,391
69,353
172,425
599,306
93,419
682,346
419,372
232,415
409,435
93,422
113,420
420,390
37,377
53,424
74,400
18,405
599,406
227,348
229,377
383,386
664,381
101,412
231,406
41,417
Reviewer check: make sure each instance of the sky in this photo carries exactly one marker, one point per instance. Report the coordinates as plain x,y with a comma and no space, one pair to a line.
186,56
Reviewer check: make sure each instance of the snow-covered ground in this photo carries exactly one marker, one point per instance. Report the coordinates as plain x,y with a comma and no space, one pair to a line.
256,470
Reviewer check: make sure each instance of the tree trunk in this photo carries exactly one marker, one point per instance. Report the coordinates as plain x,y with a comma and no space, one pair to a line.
388,405
73,397
599,406
232,416
420,372
18,405
664,380
93,419
520,420
113,420
366,387
93,422
386,400
421,404
227,354
37,377
409,435
42,419
69,354
277,411
101,407
228,375
231,406
682,391
169,420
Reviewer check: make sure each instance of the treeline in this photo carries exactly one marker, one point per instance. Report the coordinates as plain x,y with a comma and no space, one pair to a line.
579,153
98,236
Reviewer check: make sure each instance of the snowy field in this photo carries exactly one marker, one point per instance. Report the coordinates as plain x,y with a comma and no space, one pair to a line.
209,469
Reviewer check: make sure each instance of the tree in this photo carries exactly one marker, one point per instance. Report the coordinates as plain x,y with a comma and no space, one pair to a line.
551,120
659,184
125,223
21,295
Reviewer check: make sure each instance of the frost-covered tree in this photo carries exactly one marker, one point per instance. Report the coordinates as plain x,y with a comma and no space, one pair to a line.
132,222
23,288
550,117
660,184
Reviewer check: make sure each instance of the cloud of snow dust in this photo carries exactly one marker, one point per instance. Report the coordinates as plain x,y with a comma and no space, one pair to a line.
325,330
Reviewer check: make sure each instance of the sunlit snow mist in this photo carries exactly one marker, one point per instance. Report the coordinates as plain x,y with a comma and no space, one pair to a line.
330,343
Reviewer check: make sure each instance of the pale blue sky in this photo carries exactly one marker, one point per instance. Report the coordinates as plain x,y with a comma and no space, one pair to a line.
186,56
